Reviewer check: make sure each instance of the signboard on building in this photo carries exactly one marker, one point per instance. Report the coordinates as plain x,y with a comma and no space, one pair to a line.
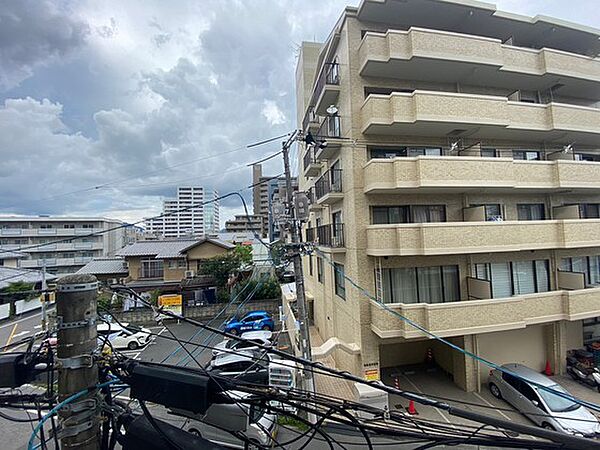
371,371
171,303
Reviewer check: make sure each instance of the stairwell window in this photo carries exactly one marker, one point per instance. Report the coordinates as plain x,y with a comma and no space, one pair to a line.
436,284
319,269
340,281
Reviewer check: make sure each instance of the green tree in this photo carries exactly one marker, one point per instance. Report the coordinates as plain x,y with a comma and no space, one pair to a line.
244,253
19,290
220,267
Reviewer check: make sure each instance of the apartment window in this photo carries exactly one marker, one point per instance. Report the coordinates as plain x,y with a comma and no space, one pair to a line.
488,152
492,211
436,284
526,155
340,281
424,151
586,157
68,255
515,278
395,152
69,226
310,265
319,269
589,211
531,211
588,265
408,214
46,226
87,225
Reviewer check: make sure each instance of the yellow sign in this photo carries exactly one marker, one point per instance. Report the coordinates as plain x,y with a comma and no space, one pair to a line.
170,300
372,375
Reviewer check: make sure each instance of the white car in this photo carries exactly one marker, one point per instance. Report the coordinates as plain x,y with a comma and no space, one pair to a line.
127,336
252,421
252,339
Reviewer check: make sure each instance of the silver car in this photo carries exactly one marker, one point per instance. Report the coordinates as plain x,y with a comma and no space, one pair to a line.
546,409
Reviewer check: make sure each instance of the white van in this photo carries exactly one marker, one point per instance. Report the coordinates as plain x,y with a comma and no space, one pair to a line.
252,421
127,336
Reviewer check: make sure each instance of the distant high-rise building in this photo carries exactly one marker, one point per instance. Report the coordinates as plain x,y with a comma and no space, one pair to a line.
265,188
211,213
186,215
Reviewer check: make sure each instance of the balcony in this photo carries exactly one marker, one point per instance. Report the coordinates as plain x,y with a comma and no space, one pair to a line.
311,121
330,130
432,113
445,238
313,206
327,88
467,173
480,316
441,56
331,235
328,188
312,167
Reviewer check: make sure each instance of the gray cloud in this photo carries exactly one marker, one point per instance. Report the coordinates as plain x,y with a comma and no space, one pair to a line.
33,33
156,84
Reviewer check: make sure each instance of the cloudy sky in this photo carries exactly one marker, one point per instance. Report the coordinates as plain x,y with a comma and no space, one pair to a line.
98,99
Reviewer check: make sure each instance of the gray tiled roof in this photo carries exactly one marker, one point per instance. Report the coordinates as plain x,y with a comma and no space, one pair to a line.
168,248
10,275
105,266
11,254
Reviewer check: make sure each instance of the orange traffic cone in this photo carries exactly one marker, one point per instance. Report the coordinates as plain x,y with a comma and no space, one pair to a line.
548,369
411,408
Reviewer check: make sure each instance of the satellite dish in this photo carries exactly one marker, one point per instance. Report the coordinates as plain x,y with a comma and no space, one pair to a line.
332,110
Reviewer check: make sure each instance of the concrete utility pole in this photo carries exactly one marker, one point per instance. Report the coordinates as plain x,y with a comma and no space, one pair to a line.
44,297
300,295
76,304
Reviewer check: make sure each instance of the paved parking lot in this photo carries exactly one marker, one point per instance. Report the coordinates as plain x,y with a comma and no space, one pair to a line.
435,382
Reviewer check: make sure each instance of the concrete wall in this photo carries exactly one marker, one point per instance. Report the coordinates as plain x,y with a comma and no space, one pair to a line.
146,315
205,251
525,346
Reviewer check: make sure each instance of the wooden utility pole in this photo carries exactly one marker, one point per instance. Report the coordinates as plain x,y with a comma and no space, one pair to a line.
76,302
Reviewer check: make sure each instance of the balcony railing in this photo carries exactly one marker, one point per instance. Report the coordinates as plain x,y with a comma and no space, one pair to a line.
329,182
331,235
330,127
309,157
330,74
310,117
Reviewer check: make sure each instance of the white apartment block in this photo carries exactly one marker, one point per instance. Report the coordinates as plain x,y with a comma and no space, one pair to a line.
36,237
186,215
460,185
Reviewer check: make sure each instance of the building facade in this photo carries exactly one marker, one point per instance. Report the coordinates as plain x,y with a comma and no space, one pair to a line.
266,190
186,215
36,238
460,185
246,224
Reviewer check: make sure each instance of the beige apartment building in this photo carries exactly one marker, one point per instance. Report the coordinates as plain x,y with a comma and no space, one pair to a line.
460,185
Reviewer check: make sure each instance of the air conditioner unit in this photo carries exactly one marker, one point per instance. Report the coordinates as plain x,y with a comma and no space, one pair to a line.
189,274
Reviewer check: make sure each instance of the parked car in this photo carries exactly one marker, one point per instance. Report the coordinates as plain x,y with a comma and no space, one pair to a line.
255,320
543,407
127,336
252,367
251,341
252,421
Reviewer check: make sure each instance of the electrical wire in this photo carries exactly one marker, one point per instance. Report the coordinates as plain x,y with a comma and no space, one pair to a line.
169,167
471,355
128,225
